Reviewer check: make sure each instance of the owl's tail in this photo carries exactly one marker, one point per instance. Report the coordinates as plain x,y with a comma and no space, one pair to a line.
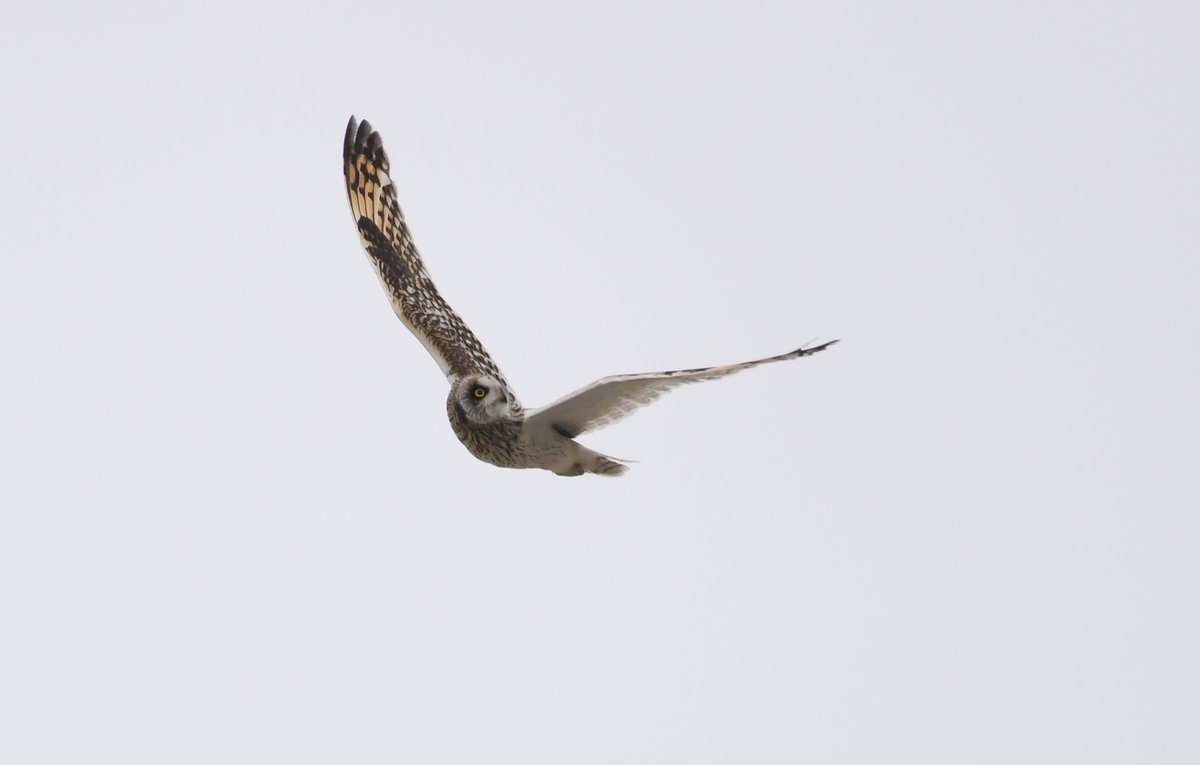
584,460
580,460
601,465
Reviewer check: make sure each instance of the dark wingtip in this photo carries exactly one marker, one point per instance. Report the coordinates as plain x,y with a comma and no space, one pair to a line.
809,350
348,141
361,138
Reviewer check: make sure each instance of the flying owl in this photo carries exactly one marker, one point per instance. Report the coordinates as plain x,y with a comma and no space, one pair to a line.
483,409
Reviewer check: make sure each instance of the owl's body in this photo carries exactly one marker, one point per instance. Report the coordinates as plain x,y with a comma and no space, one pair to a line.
483,409
514,443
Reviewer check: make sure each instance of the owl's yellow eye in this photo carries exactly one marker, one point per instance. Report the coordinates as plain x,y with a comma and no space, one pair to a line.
480,393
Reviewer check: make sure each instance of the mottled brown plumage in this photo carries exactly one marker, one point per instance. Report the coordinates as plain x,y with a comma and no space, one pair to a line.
386,238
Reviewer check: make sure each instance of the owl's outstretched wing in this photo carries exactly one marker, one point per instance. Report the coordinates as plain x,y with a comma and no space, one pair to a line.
611,398
386,239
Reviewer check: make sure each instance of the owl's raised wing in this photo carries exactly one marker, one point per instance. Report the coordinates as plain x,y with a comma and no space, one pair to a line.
389,245
611,398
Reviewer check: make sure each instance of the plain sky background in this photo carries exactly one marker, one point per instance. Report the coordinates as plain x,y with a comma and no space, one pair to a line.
237,528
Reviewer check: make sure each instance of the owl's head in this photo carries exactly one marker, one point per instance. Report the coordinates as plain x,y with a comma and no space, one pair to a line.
482,399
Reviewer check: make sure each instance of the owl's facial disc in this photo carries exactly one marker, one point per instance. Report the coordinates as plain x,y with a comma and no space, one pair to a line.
483,399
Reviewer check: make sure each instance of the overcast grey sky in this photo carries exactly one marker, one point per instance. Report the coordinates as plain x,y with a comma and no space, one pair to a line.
237,528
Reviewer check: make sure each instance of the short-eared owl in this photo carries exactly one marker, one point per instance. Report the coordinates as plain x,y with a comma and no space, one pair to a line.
483,409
